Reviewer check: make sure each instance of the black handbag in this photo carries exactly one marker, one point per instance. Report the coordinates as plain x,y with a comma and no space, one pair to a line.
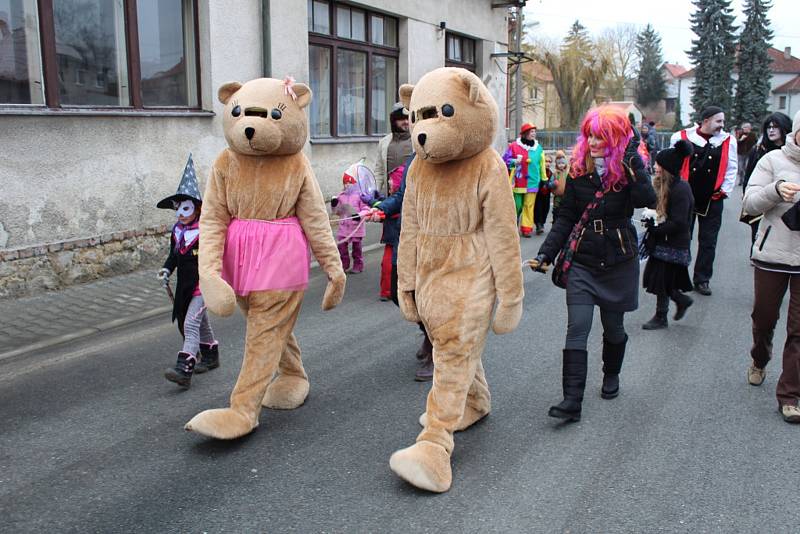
677,256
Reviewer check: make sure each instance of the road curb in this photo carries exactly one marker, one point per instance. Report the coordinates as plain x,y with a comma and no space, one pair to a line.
116,323
84,332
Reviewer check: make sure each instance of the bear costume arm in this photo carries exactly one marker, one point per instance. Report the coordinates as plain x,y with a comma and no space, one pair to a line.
214,221
407,250
314,220
502,241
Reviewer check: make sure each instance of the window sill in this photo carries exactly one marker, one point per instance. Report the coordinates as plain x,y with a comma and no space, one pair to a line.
345,140
90,112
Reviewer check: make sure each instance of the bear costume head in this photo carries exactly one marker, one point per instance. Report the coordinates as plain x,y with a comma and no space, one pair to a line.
453,115
265,116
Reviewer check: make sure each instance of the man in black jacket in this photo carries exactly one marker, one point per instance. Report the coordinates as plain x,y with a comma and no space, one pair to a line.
711,172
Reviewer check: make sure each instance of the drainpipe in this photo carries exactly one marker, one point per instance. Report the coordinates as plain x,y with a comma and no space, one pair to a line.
266,55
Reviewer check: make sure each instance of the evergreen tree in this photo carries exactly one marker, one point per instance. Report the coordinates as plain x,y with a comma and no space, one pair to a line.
752,89
677,125
713,55
650,84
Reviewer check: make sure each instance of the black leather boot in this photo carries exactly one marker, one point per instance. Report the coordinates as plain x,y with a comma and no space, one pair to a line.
573,376
657,322
181,374
209,358
613,354
682,302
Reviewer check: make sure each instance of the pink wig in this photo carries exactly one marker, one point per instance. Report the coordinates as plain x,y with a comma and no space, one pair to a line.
613,127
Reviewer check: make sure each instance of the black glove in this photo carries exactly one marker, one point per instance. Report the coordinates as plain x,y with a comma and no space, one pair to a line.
649,223
541,260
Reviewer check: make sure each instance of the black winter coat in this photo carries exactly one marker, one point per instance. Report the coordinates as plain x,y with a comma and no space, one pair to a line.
676,230
609,237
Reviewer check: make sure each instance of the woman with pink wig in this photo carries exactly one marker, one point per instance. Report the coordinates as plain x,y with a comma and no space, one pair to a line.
608,180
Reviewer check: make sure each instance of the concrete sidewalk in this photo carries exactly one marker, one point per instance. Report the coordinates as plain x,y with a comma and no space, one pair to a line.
34,323
45,320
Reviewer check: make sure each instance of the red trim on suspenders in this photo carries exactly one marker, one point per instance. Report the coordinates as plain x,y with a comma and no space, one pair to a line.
723,167
685,166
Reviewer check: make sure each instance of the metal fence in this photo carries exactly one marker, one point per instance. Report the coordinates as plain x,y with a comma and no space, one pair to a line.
565,140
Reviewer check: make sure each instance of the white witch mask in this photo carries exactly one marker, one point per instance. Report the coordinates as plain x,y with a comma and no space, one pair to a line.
184,208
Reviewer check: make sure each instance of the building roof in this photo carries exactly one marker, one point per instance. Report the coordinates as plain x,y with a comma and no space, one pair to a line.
780,64
538,71
624,105
792,86
674,69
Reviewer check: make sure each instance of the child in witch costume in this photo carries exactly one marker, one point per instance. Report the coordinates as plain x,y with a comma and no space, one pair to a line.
189,308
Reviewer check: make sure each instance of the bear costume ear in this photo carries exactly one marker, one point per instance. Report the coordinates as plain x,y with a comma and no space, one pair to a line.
303,93
472,83
226,91
405,95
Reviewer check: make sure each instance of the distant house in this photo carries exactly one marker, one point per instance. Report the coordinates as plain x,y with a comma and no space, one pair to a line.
628,107
541,106
784,85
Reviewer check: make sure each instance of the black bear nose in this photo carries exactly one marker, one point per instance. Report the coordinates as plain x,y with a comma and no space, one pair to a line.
421,138
249,132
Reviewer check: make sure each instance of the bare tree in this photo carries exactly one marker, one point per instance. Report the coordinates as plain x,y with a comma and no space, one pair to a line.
577,73
617,46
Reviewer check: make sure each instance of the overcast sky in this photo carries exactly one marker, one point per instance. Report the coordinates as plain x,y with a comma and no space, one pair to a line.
670,18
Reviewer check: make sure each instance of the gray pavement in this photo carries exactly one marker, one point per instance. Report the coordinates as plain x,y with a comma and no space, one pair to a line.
92,437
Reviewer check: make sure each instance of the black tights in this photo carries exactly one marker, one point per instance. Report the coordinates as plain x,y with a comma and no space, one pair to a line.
579,324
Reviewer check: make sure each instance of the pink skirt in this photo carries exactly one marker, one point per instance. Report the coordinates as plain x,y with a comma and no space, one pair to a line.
266,255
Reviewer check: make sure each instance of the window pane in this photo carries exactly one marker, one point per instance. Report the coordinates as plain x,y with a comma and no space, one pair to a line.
343,22
359,29
322,21
351,72
90,46
389,32
20,59
377,29
450,47
384,92
166,50
468,50
319,116
311,15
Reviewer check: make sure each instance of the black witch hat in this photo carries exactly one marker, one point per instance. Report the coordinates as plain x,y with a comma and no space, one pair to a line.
187,190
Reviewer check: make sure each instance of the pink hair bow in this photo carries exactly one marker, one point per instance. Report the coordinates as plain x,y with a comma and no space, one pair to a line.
287,87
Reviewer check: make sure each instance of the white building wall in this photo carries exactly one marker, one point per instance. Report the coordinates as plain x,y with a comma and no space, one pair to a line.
67,175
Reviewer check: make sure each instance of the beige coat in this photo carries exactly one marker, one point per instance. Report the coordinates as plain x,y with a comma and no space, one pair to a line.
775,242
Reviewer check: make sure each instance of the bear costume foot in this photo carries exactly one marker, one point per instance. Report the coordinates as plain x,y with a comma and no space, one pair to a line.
470,417
221,423
425,465
286,393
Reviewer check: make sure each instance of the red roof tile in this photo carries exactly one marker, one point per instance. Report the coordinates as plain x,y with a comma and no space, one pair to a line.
674,69
779,65
792,86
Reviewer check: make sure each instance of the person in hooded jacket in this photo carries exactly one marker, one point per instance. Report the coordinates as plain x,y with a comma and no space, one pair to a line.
773,191
773,136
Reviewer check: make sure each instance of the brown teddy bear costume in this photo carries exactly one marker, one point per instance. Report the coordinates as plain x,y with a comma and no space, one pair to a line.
459,252
261,195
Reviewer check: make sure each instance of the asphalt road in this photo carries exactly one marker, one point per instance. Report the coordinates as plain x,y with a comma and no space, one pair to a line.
91,435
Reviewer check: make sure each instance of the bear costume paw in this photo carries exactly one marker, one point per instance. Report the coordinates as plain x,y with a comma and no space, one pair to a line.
218,295
506,318
335,291
221,423
286,392
425,465
408,306
470,417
